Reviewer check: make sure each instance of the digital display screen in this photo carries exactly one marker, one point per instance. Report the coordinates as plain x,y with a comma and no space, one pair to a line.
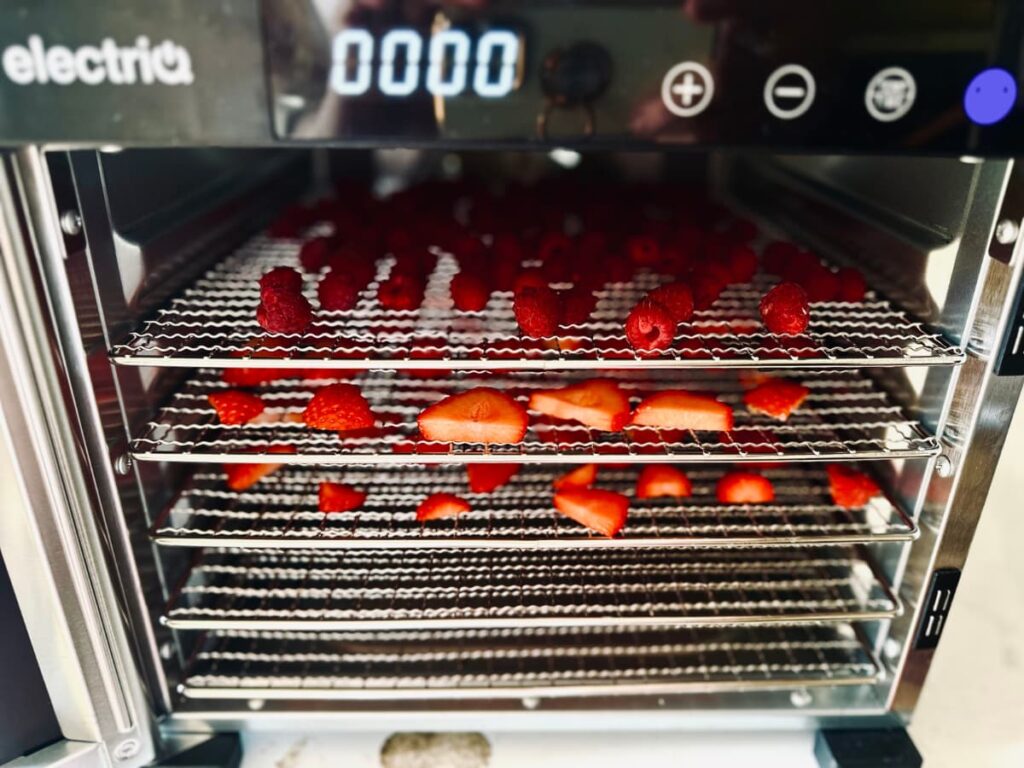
935,77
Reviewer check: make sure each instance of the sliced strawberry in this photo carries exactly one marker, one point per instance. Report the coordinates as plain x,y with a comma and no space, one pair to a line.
678,409
243,476
338,497
537,311
852,286
777,398
281,279
438,505
581,477
600,511
744,488
677,298
597,403
849,487
253,377
650,326
470,292
662,480
484,478
785,309
480,415
235,407
339,407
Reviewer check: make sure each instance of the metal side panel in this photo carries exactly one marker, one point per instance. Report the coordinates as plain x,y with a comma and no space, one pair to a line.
50,541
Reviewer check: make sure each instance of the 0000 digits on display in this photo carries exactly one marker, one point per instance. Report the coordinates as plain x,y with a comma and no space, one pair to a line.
454,62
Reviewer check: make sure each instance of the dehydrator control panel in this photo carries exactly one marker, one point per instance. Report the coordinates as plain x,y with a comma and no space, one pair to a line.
904,76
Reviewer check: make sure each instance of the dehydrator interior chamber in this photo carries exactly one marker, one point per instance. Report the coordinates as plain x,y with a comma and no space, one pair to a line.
251,606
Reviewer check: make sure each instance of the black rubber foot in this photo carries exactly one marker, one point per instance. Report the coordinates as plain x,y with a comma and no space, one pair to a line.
877,748
221,751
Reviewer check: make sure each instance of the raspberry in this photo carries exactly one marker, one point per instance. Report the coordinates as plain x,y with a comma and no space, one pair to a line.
337,291
555,245
536,311
852,286
821,284
530,278
283,312
742,263
677,298
650,326
313,254
507,247
284,279
469,292
401,292
707,282
799,264
338,407
577,305
616,269
643,250
784,309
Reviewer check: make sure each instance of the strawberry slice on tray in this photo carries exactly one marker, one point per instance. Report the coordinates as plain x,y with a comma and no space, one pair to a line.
484,478
601,511
338,497
744,488
597,403
243,476
339,407
440,505
235,407
679,409
850,488
777,398
581,477
657,480
479,415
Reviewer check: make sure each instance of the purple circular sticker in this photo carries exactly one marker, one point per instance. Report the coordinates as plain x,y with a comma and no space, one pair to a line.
990,96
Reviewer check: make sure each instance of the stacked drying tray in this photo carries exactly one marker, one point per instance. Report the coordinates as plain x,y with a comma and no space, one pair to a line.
513,599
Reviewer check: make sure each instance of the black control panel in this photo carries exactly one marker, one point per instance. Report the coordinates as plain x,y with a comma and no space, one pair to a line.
897,76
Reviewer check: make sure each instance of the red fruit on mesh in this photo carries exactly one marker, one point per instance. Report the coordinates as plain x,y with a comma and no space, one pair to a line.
355,261
650,326
398,239
744,488
799,264
596,403
469,292
337,291
283,279
656,480
283,312
675,260
414,263
503,272
555,245
677,298
742,263
557,269
530,278
852,286
439,505
292,222
484,478
480,415
601,511
690,241
253,377
615,269
313,253
820,283
537,311
508,247
643,250
578,303
777,255
245,475
716,246
850,488
785,309
581,477
338,497
679,409
467,248
339,407
235,407
401,292
777,398
592,245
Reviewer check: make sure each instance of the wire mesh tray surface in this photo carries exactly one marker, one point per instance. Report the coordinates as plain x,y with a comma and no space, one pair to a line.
213,324
845,417
513,663
282,512
435,589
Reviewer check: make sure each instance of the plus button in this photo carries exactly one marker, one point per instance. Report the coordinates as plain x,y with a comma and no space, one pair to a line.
687,89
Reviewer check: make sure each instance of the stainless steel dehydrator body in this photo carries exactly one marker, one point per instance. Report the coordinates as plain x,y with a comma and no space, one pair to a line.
163,605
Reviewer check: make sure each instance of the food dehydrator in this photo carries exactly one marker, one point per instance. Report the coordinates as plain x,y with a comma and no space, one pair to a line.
161,159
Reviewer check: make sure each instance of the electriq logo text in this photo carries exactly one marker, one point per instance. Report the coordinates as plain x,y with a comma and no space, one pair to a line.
107,62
